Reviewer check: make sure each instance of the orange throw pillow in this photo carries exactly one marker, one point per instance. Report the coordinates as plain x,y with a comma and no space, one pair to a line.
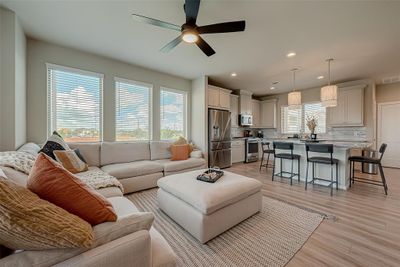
180,152
55,184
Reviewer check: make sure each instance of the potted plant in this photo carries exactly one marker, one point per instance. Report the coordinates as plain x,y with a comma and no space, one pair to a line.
312,122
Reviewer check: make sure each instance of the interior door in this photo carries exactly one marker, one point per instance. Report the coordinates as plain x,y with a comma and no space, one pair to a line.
389,132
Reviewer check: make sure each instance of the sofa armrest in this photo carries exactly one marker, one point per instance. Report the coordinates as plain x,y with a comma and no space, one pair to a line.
131,250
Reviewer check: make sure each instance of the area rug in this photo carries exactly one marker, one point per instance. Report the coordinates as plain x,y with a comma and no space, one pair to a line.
269,238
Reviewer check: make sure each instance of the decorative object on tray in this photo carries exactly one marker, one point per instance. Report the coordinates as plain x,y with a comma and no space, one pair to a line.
312,123
211,175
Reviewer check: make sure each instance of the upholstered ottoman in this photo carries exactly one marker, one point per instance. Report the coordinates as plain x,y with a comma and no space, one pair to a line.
206,210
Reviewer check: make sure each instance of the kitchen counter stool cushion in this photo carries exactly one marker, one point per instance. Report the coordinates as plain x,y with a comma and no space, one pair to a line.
55,184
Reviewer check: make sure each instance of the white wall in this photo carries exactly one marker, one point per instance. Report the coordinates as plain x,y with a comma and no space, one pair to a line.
40,53
12,82
199,113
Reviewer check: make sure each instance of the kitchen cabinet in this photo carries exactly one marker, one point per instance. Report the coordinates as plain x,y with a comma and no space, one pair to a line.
238,151
218,97
350,108
245,104
234,108
268,113
255,107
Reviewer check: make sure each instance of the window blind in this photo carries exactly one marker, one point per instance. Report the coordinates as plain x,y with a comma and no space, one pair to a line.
133,110
172,114
75,103
317,111
291,120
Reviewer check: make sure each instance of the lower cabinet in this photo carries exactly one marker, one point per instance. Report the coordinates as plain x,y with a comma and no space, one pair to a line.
238,152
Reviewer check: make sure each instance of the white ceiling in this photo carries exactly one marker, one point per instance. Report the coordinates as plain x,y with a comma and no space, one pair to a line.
363,37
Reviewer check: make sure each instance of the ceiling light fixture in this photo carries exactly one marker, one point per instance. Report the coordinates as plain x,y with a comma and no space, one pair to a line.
291,54
329,93
233,74
294,97
272,88
190,37
320,77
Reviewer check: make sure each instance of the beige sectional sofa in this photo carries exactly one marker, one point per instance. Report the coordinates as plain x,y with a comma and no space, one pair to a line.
138,166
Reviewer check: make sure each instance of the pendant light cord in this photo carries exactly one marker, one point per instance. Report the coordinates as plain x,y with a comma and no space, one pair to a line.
329,70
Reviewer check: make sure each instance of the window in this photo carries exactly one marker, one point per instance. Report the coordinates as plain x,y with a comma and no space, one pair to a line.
133,110
75,103
295,120
317,111
172,114
290,120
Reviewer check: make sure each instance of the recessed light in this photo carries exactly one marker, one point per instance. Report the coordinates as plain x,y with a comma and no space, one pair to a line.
233,74
320,77
291,54
272,88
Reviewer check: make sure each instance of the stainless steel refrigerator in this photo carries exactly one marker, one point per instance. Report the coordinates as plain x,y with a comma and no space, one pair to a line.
219,138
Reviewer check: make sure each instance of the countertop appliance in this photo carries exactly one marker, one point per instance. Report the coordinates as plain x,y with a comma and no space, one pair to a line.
219,138
251,149
260,134
245,120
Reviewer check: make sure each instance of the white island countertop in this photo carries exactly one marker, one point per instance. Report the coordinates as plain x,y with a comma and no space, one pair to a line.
335,143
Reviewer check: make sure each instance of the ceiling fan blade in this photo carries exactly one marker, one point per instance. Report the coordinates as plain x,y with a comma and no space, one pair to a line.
191,8
206,48
233,26
168,47
156,22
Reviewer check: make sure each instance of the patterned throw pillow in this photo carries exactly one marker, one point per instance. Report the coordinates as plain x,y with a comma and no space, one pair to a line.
30,223
54,142
55,184
70,161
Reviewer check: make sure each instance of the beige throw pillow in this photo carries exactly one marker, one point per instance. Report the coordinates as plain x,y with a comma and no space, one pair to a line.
30,223
70,161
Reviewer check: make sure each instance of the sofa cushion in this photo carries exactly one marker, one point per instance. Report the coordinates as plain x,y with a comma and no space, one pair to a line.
89,151
30,148
55,184
17,177
70,160
132,169
176,166
122,206
31,223
209,197
160,150
122,152
180,152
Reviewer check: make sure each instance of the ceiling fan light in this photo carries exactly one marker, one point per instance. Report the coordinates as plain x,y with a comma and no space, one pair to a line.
329,95
190,37
294,99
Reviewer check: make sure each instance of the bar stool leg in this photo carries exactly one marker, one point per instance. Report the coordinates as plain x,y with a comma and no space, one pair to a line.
350,174
337,176
298,170
313,172
331,180
281,166
262,159
383,178
353,172
291,173
306,175
266,166
273,170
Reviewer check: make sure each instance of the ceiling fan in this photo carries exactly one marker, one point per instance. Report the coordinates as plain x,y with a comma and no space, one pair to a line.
190,32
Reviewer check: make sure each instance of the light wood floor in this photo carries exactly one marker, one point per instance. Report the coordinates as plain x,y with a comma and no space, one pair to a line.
366,231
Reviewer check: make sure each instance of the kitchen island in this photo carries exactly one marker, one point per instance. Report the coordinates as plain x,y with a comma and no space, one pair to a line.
341,151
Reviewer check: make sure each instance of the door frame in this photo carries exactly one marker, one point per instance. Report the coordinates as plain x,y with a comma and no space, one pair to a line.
379,115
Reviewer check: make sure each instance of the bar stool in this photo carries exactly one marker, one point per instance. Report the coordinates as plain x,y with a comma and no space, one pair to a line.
289,156
266,150
369,160
322,148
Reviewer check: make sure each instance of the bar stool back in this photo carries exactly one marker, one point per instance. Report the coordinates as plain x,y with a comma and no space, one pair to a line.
266,149
322,148
287,156
369,160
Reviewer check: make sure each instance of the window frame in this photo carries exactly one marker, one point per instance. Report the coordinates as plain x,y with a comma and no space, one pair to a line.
185,110
150,117
51,103
303,118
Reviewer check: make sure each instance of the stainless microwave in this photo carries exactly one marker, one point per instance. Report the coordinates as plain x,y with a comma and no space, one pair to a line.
245,120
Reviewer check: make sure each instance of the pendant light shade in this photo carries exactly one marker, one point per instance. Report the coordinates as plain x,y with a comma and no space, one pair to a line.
329,93
294,98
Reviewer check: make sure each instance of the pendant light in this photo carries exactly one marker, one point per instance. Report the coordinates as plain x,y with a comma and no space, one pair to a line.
329,93
294,97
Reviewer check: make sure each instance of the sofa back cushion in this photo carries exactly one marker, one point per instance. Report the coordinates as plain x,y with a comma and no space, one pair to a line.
17,177
160,150
123,152
89,151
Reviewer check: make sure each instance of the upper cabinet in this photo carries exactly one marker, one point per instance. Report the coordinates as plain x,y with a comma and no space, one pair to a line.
218,97
255,105
268,113
245,104
234,110
350,108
